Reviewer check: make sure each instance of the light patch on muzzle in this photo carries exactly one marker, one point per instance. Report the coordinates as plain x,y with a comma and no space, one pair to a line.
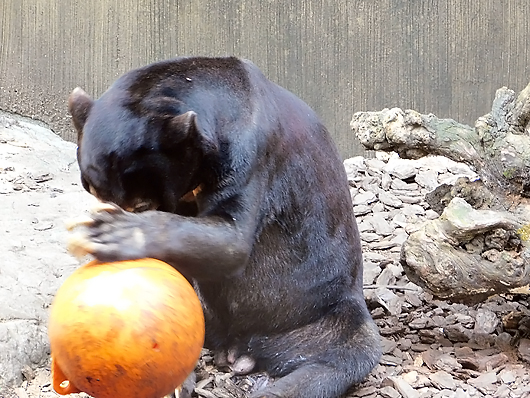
140,205
93,191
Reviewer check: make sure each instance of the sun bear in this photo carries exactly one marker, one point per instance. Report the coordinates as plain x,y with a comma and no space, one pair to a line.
234,181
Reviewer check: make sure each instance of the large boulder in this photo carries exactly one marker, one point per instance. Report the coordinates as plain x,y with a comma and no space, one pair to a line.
39,190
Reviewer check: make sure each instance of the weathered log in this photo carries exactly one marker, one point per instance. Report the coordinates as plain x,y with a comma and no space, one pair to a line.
469,254
480,245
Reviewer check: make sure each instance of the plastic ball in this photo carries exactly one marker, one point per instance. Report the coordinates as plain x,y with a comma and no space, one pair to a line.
124,329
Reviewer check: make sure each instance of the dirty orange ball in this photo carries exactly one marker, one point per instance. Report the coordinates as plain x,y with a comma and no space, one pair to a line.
130,329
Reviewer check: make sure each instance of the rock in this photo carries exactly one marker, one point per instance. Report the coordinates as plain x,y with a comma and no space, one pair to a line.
386,181
419,323
378,207
507,376
389,392
365,391
370,272
434,162
386,277
503,341
429,336
389,300
427,179
370,184
375,164
354,166
442,379
381,226
485,381
404,388
420,347
405,344
412,323
383,245
370,237
400,184
431,214
400,236
390,199
486,321
390,360
400,220
412,200
363,198
375,257
488,362
365,226
383,217
413,299
401,168
388,345
434,250
503,391
412,210
461,168
361,210
511,320
466,320
457,333
524,349
436,360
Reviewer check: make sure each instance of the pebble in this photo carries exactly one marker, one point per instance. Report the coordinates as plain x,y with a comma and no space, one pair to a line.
507,376
404,388
400,184
409,199
381,225
370,237
524,349
375,164
354,166
411,210
457,333
364,198
485,381
486,321
389,392
361,210
442,379
390,199
401,168
427,179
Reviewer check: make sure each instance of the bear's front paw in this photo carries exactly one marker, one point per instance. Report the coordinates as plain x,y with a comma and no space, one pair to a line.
110,234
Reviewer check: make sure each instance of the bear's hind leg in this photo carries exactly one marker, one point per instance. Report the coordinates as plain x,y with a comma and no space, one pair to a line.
322,359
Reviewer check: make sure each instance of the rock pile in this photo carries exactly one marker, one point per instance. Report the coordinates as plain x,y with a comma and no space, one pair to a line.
388,195
432,348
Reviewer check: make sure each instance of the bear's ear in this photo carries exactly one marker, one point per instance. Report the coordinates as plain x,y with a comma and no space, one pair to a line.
79,105
187,126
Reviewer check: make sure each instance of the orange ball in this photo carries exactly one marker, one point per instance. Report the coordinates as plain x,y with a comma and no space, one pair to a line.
130,329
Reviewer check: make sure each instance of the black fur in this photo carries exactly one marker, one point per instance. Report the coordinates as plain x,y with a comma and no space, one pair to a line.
270,240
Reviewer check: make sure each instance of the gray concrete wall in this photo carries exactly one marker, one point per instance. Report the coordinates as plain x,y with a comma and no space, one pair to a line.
444,57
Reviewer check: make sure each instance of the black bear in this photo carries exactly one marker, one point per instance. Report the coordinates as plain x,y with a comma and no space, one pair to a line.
235,182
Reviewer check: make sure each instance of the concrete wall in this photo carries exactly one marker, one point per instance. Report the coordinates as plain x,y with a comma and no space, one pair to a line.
444,57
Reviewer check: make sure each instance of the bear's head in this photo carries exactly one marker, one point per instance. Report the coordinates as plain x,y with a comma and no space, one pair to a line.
137,153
